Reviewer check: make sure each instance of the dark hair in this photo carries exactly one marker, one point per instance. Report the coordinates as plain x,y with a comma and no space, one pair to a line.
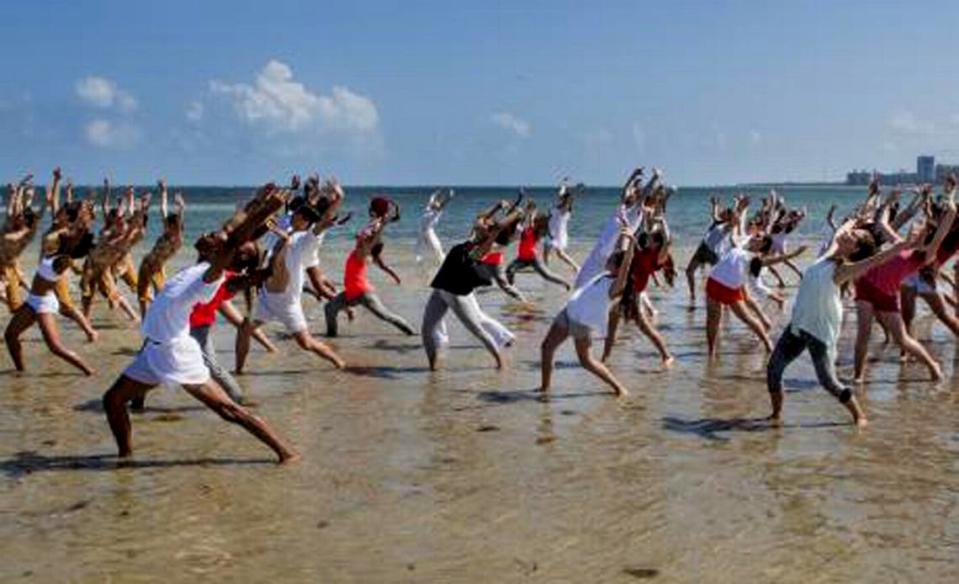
295,203
307,212
172,219
766,245
72,210
866,247
755,266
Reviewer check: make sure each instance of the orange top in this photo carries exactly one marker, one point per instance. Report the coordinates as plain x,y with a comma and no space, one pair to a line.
527,244
355,283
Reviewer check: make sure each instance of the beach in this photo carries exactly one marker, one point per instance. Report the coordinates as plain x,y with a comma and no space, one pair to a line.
465,474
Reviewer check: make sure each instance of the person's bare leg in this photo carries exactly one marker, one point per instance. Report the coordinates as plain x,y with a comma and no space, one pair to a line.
779,279
653,335
864,317
907,298
691,268
898,331
82,322
22,319
938,307
792,266
714,316
115,402
308,343
127,309
595,367
739,309
776,401
51,336
858,416
554,338
213,397
757,311
611,327
242,344
568,260
260,337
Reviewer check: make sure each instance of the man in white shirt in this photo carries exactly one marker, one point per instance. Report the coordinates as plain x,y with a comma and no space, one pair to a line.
171,356
280,298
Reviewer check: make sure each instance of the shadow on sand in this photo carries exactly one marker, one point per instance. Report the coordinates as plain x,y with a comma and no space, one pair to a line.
27,462
710,428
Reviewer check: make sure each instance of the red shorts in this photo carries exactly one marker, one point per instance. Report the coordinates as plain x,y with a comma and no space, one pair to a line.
723,294
880,301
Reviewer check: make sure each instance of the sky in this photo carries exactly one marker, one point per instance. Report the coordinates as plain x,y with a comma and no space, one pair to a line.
475,93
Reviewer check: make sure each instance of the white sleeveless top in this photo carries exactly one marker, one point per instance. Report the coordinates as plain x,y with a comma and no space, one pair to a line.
817,308
45,269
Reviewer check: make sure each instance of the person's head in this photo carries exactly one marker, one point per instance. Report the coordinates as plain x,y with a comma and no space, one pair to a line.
210,243
295,203
760,243
855,244
247,257
380,207
30,218
304,217
726,214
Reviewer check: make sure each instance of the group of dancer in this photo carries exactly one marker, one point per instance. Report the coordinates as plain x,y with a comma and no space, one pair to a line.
268,251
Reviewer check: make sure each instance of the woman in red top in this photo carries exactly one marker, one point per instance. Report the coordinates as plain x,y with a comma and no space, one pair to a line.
877,291
356,288
535,227
652,254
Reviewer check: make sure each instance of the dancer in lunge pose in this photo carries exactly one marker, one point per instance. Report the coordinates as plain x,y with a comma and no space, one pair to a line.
426,239
586,314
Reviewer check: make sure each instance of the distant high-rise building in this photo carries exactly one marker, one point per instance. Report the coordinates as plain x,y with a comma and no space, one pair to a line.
926,169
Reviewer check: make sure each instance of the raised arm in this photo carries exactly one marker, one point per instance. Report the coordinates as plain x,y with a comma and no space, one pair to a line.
778,259
164,209
54,197
622,275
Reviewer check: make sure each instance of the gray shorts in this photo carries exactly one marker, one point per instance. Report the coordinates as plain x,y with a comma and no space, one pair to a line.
575,329
704,255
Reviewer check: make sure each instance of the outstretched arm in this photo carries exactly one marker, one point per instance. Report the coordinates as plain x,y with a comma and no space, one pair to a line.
622,276
164,208
778,259
55,191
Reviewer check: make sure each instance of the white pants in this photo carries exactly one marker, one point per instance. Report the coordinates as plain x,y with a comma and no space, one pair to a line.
494,328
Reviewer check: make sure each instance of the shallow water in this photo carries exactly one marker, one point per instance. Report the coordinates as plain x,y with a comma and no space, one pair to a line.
464,475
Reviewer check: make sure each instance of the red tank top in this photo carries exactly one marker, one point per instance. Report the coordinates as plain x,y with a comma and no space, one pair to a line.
355,283
493,258
527,244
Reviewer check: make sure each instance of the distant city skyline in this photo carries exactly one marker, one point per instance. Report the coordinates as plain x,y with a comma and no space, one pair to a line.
485,93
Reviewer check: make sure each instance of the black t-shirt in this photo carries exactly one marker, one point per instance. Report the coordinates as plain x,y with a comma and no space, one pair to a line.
458,274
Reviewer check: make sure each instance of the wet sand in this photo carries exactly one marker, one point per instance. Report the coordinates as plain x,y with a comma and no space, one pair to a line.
464,475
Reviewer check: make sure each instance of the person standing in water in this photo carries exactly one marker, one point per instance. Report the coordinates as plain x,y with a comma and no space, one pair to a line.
357,289
152,273
426,238
171,356
557,239
817,314
534,228
41,306
586,314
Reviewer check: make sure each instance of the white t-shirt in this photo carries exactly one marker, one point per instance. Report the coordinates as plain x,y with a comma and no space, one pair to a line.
596,261
817,308
731,269
168,318
716,238
300,254
559,226
589,305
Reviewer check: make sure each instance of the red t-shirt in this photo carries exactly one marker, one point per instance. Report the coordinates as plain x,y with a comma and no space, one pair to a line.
888,277
493,258
645,262
527,244
355,283
204,314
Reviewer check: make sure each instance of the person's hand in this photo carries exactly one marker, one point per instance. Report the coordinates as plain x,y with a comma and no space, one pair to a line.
56,173
295,183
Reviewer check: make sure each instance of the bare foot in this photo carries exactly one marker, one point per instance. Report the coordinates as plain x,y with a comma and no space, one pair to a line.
862,422
936,373
668,362
93,336
775,420
621,393
289,458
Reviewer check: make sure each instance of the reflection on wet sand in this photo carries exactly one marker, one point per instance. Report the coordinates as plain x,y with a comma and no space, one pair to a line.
468,474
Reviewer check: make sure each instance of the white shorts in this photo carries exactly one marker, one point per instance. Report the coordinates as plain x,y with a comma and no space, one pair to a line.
559,243
46,304
179,362
278,308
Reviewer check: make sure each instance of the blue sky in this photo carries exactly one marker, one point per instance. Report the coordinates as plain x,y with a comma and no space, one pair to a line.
717,92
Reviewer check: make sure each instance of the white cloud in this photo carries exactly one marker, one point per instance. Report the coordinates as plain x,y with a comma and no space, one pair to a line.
906,122
511,123
107,134
278,103
194,112
755,137
105,94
